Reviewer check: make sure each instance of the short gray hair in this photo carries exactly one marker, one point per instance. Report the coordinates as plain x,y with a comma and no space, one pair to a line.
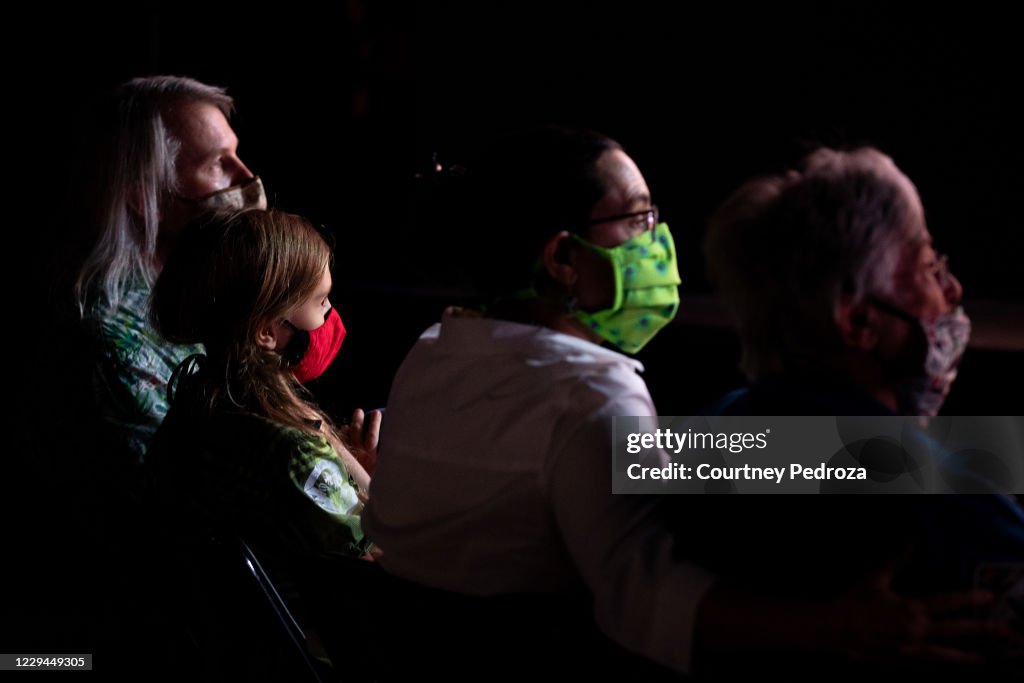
784,249
137,164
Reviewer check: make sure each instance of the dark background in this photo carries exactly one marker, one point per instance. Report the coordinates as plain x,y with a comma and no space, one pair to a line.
703,98
339,109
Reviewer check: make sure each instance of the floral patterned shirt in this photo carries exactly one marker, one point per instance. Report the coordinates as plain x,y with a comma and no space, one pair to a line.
132,367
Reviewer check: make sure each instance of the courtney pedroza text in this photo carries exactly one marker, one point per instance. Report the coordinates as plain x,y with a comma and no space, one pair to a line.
745,472
675,442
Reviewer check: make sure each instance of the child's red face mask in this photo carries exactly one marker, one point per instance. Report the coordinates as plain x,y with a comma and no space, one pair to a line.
311,352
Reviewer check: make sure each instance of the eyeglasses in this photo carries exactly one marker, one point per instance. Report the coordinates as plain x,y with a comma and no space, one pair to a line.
940,270
640,220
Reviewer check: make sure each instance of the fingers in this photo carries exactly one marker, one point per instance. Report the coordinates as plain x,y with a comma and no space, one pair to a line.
883,578
953,602
355,425
371,437
362,435
968,629
930,652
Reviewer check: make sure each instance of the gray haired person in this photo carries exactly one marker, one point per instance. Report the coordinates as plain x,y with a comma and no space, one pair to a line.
168,155
843,307
831,278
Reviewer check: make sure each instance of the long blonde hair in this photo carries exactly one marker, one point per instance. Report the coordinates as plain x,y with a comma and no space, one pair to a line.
229,276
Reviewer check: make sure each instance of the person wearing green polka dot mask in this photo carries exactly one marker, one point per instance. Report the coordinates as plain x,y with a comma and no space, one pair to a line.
582,250
647,282
612,276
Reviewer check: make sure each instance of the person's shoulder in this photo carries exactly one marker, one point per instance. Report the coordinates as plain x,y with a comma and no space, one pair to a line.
601,390
787,395
131,300
280,439
735,402
119,324
255,444
123,332
599,366
258,428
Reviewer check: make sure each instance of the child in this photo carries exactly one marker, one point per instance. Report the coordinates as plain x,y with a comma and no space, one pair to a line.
243,448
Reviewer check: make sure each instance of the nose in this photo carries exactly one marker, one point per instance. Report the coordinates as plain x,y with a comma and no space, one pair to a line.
952,289
239,171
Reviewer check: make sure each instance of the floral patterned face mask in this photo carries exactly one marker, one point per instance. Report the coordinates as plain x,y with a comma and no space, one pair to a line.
923,393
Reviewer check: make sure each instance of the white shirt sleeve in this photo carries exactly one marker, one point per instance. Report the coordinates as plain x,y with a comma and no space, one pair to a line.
644,598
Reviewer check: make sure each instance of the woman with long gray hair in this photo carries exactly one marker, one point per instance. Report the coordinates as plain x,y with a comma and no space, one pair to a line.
167,154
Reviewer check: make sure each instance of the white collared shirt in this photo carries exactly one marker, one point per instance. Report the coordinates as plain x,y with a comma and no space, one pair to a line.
494,476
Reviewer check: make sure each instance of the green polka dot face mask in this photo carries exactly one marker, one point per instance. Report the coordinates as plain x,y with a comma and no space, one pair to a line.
646,290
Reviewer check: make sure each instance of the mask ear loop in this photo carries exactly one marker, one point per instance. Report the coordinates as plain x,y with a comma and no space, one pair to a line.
612,256
892,310
294,352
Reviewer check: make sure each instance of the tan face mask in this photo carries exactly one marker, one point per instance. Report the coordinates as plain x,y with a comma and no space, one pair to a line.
245,195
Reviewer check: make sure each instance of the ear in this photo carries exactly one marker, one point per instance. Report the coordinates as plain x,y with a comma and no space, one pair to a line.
268,336
857,323
557,260
137,206
134,199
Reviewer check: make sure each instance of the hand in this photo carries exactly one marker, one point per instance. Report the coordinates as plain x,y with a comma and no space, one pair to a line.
362,435
373,554
872,621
